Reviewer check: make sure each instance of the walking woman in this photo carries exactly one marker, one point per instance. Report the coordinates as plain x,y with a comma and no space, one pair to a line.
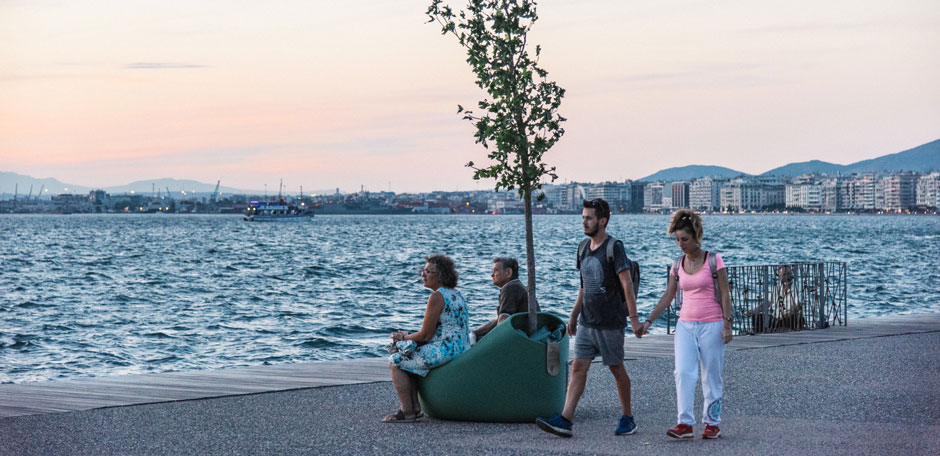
704,325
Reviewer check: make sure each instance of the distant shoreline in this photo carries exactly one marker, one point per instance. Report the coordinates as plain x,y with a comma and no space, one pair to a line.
412,214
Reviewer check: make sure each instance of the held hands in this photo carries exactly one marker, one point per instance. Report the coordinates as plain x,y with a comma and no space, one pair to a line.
638,328
644,329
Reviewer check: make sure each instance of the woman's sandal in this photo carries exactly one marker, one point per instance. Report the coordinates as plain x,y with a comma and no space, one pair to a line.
400,417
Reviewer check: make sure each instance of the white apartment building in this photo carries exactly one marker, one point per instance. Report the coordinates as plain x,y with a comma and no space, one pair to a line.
899,191
858,193
752,194
705,194
653,197
928,190
806,196
830,199
617,195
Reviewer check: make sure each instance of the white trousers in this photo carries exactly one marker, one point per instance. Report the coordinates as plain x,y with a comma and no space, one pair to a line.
699,345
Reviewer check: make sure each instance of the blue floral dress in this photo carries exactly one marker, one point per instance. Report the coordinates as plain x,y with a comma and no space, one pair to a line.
450,339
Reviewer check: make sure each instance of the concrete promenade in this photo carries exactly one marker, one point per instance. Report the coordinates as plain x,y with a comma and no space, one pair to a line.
870,388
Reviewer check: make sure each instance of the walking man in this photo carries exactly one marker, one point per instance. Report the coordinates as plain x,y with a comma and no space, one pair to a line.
598,319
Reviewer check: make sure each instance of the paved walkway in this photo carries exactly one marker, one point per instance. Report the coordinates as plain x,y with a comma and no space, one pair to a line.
873,390
92,393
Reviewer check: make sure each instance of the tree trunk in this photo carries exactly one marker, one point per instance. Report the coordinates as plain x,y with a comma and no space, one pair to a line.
530,259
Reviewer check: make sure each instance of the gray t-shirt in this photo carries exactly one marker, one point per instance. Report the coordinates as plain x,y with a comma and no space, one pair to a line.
603,306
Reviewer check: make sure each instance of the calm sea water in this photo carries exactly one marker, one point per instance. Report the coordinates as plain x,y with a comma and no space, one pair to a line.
86,295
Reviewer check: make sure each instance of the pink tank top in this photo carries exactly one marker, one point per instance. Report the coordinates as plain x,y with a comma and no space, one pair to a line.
698,293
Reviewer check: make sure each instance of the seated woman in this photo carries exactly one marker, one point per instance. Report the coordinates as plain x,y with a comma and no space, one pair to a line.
789,311
785,312
444,334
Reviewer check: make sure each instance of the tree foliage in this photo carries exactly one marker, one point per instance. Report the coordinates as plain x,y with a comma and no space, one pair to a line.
520,115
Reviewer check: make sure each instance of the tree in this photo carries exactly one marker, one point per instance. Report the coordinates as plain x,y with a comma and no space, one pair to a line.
518,120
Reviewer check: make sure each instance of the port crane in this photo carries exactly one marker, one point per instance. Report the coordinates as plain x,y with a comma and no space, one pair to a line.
214,198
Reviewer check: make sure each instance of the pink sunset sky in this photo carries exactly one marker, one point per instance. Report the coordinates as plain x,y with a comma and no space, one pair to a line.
330,94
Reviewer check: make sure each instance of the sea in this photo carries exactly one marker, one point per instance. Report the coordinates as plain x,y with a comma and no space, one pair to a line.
97,295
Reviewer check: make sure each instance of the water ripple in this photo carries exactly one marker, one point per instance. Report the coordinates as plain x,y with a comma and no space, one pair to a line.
93,295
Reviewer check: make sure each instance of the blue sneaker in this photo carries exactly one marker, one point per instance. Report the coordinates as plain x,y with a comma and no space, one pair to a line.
557,425
627,426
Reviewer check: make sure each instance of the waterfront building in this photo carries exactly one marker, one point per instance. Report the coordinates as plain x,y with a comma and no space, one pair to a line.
653,197
503,205
830,198
859,192
899,191
667,201
551,195
927,193
617,194
679,194
571,197
744,194
705,194
805,193
637,196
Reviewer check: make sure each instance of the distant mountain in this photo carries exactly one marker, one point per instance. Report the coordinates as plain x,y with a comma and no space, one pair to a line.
20,184
683,173
812,166
175,186
923,158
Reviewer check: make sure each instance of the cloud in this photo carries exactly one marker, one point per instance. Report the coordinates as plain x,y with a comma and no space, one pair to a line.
655,76
160,66
810,27
709,75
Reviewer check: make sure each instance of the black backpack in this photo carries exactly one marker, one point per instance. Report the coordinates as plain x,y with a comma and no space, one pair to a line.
633,265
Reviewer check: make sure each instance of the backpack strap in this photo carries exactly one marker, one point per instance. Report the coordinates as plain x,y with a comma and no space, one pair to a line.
610,249
611,242
582,249
675,273
676,266
713,265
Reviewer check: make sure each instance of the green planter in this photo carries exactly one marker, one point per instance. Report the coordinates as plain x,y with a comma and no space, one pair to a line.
502,378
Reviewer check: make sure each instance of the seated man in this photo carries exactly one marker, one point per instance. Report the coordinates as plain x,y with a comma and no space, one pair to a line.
513,296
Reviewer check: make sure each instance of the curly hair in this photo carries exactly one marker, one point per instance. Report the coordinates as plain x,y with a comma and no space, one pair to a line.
446,270
688,220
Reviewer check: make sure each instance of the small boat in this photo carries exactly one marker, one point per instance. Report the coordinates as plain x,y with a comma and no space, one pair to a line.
276,211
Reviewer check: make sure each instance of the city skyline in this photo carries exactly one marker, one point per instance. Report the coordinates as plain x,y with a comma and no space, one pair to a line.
326,95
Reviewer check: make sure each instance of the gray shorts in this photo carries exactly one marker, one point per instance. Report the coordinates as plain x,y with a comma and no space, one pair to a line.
589,342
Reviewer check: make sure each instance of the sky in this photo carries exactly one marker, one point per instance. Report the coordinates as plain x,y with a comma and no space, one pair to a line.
362,94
